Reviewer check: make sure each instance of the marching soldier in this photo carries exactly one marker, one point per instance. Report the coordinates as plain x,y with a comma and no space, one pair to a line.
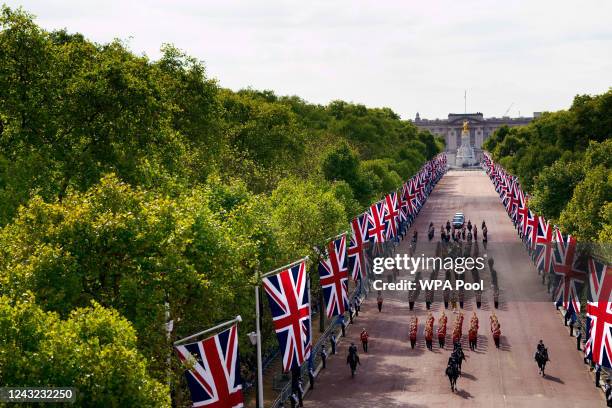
472,336
442,329
379,301
495,329
473,333
414,325
479,299
474,319
428,298
496,297
364,336
429,331
453,301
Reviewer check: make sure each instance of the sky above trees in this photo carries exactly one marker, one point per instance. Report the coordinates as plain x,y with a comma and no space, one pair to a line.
409,56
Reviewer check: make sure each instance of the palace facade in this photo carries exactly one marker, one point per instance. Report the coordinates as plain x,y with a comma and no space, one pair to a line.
480,128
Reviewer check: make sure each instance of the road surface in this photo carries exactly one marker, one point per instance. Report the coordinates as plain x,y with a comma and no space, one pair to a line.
393,375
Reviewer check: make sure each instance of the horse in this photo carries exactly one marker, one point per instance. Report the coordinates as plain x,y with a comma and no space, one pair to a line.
541,357
452,372
352,360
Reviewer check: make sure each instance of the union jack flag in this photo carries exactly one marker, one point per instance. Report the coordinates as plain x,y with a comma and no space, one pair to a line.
333,275
410,196
419,186
532,229
359,229
598,347
570,278
544,246
402,206
213,373
391,214
410,199
377,222
290,306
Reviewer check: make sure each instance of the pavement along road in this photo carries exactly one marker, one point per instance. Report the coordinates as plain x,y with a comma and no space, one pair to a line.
394,375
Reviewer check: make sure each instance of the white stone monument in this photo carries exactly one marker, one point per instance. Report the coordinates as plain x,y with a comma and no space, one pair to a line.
465,153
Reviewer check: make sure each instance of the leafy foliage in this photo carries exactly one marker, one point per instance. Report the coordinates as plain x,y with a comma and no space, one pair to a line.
564,159
93,350
131,189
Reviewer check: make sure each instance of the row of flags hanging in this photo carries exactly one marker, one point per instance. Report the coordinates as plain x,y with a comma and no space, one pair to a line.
288,295
557,254
212,365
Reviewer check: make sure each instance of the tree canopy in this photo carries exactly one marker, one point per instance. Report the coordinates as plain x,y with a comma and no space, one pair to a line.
132,188
563,159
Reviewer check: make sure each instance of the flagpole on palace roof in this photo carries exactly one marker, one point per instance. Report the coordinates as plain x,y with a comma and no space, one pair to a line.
306,258
229,322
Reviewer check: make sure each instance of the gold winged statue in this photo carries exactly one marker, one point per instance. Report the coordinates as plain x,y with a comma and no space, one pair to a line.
466,126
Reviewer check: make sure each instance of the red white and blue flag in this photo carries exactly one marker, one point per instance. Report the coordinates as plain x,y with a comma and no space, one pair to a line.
391,216
569,277
213,373
533,223
544,246
598,347
376,221
359,236
410,196
290,306
402,205
333,275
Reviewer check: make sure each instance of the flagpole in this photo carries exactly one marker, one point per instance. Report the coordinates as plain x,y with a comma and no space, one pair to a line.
260,399
339,235
306,258
234,320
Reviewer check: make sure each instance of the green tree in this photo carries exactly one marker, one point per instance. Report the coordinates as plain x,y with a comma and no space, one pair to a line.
554,187
93,350
583,216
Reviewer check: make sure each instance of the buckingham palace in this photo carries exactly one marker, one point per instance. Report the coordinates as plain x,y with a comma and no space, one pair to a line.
480,128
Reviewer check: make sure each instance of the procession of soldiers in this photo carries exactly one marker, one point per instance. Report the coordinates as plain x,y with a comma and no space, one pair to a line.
466,233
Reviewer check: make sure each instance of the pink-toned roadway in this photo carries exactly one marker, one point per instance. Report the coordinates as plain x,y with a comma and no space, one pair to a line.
393,375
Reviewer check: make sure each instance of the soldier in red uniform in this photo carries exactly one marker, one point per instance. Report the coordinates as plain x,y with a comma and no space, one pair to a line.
473,332
458,329
429,331
414,325
495,329
364,336
442,329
